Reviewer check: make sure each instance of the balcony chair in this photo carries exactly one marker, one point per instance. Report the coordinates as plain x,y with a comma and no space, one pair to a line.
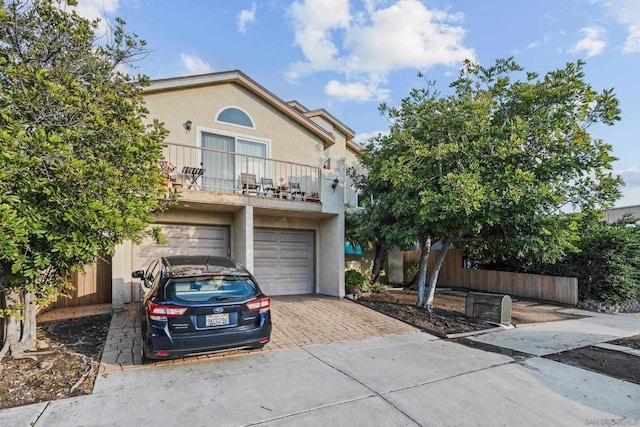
192,175
294,190
268,187
249,183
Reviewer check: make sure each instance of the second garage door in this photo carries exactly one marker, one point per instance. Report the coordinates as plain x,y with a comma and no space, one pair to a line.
284,261
183,240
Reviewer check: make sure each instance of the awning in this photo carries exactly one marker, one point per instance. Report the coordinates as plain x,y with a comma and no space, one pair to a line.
350,249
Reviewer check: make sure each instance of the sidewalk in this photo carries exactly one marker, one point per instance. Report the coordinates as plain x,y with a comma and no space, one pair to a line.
411,379
407,379
553,337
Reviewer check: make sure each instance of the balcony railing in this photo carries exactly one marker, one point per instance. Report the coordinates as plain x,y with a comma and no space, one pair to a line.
206,169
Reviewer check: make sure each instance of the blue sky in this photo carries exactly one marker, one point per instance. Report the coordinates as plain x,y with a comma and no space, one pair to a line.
348,56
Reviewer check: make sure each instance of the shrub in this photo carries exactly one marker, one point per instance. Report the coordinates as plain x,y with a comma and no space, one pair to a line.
367,286
353,277
608,266
410,268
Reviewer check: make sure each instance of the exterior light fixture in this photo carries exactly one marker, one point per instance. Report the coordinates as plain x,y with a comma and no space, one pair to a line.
335,183
187,125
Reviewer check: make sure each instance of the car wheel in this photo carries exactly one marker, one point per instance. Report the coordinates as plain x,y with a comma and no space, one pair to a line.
145,359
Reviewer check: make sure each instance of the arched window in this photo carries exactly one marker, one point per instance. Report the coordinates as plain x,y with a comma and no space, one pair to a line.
235,116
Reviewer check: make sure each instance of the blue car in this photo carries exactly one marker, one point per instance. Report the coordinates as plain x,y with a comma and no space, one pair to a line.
200,304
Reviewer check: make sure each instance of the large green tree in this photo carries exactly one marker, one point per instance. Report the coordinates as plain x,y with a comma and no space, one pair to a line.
78,166
494,162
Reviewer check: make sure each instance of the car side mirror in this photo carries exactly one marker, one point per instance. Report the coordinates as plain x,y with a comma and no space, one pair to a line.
138,274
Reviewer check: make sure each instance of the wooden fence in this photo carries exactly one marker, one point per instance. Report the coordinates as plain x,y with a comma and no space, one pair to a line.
563,290
93,286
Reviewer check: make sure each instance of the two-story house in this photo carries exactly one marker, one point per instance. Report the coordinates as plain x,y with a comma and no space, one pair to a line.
261,180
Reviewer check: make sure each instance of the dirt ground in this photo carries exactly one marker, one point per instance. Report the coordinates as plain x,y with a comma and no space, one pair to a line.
612,363
449,308
67,363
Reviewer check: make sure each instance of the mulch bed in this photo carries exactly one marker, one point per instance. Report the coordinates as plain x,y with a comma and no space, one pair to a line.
615,364
445,319
67,363
631,342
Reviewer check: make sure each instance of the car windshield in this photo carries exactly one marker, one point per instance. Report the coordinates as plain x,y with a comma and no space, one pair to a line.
210,289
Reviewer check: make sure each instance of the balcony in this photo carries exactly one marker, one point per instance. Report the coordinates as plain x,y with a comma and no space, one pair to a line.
224,172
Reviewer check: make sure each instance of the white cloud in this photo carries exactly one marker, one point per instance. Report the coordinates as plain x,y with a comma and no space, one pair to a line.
627,13
124,68
631,189
630,176
245,17
406,35
93,9
365,46
537,43
356,91
96,8
363,138
592,43
314,21
194,64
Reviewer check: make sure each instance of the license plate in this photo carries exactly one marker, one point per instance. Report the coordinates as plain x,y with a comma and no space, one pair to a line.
217,319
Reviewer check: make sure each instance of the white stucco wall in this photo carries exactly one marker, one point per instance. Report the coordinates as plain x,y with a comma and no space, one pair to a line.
289,140
242,237
350,194
329,245
615,214
331,257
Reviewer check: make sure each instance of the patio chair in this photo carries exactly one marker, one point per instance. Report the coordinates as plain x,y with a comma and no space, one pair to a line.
249,183
192,175
294,190
267,186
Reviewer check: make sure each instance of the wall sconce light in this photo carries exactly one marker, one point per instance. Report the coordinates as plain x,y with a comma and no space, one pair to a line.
187,125
335,183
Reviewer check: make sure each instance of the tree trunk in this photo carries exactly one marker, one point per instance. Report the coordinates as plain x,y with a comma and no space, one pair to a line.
378,261
29,324
425,250
433,276
20,334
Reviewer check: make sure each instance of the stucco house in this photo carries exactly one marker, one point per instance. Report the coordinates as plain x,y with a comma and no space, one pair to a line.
614,214
261,180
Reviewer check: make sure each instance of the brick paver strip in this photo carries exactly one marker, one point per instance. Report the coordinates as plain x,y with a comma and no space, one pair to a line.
297,321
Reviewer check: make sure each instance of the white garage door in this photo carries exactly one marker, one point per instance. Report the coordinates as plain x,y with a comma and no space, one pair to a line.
283,261
183,240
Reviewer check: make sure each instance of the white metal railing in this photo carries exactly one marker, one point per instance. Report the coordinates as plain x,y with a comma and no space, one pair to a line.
206,169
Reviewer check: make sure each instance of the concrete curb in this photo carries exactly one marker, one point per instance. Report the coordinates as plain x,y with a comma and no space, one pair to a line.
479,332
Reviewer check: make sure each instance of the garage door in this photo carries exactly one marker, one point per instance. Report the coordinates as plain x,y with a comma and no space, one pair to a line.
283,261
183,240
